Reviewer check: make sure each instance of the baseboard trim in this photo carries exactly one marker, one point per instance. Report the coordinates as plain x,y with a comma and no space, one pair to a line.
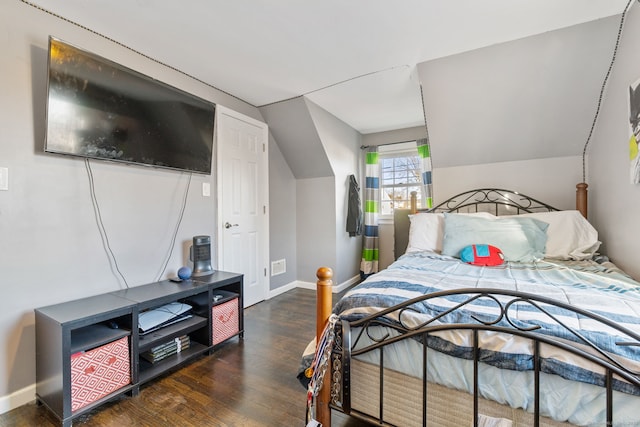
336,289
344,285
17,399
282,289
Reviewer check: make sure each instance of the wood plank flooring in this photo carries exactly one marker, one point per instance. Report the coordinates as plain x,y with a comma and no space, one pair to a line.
249,382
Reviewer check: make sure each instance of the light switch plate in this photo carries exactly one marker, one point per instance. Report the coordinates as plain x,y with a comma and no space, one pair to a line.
206,189
4,179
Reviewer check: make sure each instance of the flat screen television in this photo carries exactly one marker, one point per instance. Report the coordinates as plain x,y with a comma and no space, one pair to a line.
99,109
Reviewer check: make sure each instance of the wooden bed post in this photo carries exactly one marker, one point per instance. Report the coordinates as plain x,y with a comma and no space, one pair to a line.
581,198
324,305
414,202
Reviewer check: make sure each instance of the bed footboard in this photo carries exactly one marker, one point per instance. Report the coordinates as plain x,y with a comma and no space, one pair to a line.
362,336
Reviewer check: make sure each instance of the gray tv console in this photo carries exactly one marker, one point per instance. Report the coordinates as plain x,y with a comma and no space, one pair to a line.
91,350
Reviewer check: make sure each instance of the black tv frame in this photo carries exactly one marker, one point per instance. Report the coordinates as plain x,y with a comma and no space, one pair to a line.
132,118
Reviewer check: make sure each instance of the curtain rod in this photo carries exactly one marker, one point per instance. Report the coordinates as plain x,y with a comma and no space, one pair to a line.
362,147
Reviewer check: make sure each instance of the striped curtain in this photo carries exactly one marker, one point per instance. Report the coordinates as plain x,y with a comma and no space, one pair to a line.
369,263
424,151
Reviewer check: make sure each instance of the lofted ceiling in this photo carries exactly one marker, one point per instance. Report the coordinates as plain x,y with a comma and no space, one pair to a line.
356,59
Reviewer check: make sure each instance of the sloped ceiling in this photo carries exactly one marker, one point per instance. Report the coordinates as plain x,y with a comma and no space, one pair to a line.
292,126
356,59
527,99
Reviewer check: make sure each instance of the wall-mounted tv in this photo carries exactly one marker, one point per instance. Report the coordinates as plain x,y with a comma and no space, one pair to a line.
99,109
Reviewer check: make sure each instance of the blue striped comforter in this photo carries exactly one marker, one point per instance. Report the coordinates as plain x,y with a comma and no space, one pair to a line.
601,289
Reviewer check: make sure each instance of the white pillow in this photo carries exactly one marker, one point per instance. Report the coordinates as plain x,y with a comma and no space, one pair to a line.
426,230
569,236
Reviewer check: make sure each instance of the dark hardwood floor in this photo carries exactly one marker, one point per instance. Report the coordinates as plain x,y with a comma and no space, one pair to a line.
249,382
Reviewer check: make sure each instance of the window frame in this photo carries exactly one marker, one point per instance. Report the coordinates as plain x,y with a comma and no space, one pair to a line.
399,150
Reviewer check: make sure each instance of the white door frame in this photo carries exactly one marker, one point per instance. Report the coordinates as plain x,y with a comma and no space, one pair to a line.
263,191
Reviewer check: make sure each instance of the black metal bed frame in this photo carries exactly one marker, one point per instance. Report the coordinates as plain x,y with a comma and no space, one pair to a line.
345,345
497,197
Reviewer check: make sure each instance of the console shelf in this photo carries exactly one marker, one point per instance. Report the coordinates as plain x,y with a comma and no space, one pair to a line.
92,336
89,351
186,326
149,370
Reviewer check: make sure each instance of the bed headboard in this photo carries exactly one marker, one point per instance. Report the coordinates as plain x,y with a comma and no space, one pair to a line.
494,200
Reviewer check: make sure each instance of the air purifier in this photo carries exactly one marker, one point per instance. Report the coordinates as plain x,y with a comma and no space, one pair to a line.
200,255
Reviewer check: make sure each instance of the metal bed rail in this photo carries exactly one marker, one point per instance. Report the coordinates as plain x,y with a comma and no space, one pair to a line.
349,334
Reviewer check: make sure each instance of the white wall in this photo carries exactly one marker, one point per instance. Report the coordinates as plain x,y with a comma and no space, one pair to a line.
614,203
282,216
399,135
315,225
552,181
342,145
50,246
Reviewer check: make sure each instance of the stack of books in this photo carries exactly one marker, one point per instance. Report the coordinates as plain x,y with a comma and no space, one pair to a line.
167,349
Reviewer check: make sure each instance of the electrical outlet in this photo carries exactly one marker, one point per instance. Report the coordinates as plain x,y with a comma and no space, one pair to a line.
206,189
4,179
278,267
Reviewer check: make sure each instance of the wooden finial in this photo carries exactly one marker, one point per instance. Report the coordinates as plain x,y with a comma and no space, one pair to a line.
581,198
324,273
324,303
414,202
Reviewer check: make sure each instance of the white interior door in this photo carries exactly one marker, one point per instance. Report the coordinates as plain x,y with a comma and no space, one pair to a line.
243,193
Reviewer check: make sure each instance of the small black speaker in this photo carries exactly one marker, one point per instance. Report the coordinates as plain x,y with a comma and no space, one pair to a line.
201,256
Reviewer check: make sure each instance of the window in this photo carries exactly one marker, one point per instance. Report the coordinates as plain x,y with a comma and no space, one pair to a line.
400,174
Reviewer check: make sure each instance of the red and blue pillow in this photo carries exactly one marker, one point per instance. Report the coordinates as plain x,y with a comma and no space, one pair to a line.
485,255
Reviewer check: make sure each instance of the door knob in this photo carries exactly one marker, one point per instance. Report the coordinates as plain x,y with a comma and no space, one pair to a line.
227,225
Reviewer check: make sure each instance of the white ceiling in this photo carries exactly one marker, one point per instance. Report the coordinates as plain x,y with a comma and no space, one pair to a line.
356,59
